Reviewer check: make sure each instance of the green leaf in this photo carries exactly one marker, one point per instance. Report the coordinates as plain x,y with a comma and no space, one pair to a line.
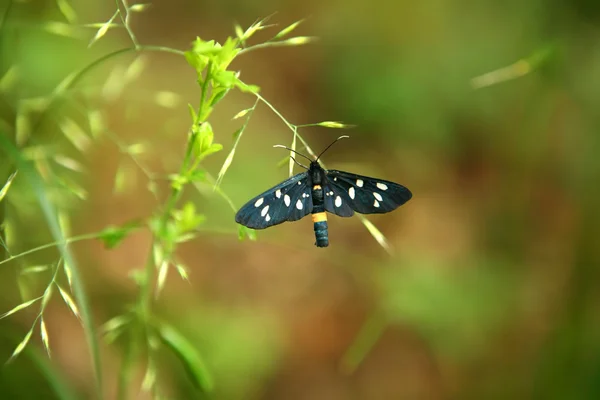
214,148
9,79
68,300
239,32
297,41
75,134
113,328
242,113
227,54
183,271
20,307
246,88
178,181
6,186
217,95
333,124
187,218
192,113
96,123
34,269
62,29
188,355
163,270
200,46
204,138
226,79
225,167
150,377
244,233
47,296
255,27
139,7
103,29
21,346
197,61
112,236
197,175
288,29
68,163
67,11
44,335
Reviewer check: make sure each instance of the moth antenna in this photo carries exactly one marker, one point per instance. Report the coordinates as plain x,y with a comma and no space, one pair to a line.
303,166
293,151
332,143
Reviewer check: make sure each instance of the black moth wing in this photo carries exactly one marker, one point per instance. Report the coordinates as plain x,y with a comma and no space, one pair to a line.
337,201
288,201
363,194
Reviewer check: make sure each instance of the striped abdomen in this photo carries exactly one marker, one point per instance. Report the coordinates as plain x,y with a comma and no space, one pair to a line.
319,217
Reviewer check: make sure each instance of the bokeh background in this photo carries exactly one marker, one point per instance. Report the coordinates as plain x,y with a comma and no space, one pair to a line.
488,111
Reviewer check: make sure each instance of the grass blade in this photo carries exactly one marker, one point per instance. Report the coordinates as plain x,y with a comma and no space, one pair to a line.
188,355
6,186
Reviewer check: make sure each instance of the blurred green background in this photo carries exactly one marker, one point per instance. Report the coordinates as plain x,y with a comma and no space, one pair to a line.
488,111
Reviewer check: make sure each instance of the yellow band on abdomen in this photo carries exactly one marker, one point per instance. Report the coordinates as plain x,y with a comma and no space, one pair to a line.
319,217
316,187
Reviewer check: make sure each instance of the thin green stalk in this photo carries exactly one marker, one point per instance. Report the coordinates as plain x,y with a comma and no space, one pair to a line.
3,249
125,20
147,283
263,46
126,368
64,242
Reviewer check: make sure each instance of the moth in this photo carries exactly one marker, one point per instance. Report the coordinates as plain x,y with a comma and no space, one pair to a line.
318,191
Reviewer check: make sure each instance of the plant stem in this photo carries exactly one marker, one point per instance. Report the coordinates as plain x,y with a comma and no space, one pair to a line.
126,368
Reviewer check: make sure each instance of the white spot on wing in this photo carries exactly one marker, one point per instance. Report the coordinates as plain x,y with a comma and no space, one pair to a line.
376,204
299,204
351,192
359,182
338,201
335,179
267,218
377,196
382,186
264,211
286,200
299,182
278,193
259,202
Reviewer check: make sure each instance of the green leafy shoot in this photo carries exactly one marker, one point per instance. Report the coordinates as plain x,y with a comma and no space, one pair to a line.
113,236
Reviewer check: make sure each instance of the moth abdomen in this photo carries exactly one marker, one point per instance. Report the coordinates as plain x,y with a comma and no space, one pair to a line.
321,232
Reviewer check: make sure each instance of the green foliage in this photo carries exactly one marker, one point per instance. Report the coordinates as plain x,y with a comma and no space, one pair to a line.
55,179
